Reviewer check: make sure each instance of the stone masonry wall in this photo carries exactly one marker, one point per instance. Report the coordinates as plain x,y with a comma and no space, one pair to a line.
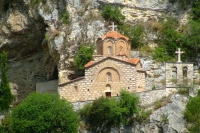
180,78
89,88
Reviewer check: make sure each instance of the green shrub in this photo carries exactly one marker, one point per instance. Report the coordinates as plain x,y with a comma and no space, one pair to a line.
128,101
192,114
65,17
44,113
157,105
135,34
112,13
6,124
183,91
153,88
164,118
160,54
83,56
142,116
105,113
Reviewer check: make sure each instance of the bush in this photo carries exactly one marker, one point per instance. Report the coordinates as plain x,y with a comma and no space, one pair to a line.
105,113
6,124
128,101
142,116
192,114
65,17
44,113
102,115
83,56
135,34
113,14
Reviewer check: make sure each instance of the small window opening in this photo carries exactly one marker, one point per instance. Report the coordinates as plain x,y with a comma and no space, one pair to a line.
109,78
109,50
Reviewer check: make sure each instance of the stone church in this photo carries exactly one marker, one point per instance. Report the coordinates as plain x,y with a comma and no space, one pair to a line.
111,70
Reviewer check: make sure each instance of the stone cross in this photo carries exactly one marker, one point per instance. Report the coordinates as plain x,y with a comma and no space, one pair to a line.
179,52
113,26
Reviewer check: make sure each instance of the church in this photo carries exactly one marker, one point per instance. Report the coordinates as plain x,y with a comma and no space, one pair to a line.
111,70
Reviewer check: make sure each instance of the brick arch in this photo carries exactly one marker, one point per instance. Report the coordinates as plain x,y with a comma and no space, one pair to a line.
99,47
111,66
108,43
103,75
121,44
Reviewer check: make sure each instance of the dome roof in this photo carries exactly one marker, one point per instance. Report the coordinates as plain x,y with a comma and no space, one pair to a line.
115,35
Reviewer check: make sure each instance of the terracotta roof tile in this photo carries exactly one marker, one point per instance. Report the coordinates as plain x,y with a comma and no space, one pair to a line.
89,63
133,60
114,34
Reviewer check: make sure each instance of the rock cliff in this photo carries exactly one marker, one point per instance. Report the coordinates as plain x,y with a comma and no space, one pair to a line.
41,46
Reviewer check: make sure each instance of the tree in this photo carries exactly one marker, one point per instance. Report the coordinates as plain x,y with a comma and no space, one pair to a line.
192,114
44,113
6,96
83,56
105,113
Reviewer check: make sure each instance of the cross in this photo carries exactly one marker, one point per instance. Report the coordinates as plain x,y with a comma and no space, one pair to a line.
179,52
113,26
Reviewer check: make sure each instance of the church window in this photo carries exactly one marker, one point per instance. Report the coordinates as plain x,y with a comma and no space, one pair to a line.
76,88
109,78
185,72
174,74
121,48
109,50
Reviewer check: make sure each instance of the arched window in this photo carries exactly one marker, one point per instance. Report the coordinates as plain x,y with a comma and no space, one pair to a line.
185,69
174,74
109,50
109,78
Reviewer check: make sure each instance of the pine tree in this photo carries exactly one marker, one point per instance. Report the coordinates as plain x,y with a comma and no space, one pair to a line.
6,96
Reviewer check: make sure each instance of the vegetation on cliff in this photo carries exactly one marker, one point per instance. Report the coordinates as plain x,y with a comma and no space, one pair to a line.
6,96
83,56
105,113
192,114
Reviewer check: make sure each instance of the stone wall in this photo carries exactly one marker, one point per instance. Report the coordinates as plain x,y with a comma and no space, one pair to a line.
95,83
49,86
173,79
146,98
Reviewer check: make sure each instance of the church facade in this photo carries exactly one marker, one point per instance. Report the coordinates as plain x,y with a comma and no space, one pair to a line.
111,70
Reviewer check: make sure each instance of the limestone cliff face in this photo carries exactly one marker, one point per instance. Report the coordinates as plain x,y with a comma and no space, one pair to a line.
21,35
41,46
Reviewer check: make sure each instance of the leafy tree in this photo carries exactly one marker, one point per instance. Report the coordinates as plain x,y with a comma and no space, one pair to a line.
128,101
6,96
44,113
192,114
83,56
105,113
112,13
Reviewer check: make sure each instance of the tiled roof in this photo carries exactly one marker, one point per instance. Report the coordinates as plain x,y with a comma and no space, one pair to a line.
89,63
133,61
114,34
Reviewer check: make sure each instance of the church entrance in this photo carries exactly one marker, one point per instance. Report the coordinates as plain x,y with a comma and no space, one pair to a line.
108,94
108,90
